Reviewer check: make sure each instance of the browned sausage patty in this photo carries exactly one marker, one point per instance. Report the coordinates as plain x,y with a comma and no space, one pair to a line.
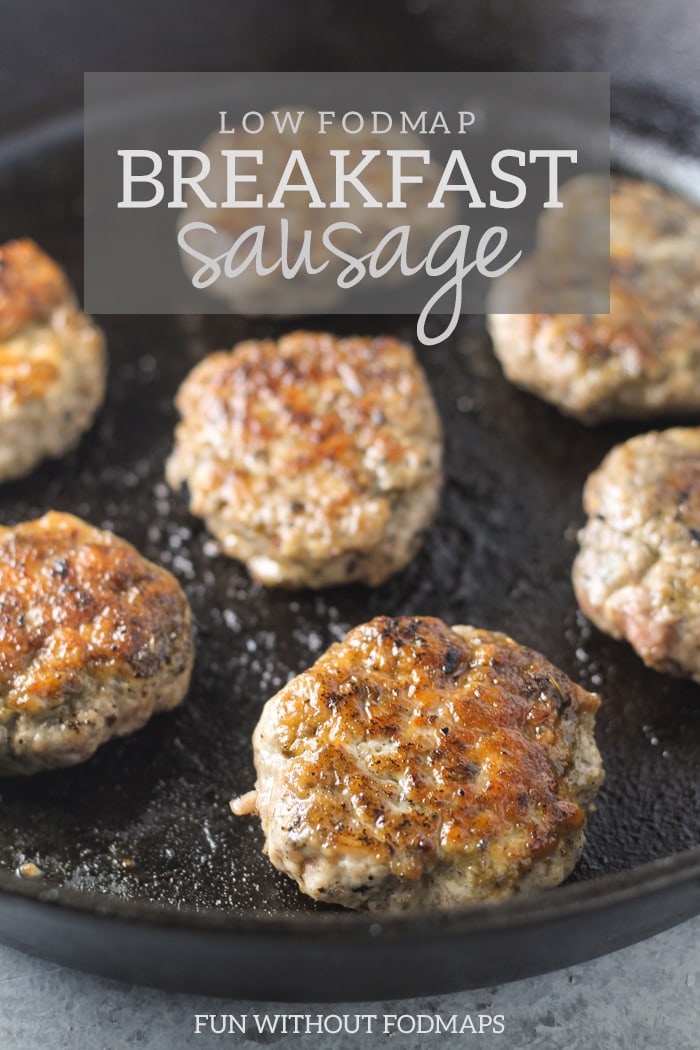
52,361
637,575
252,293
643,358
94,639
314,460
416,765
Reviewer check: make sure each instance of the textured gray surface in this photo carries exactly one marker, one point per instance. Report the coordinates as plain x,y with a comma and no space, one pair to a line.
647,996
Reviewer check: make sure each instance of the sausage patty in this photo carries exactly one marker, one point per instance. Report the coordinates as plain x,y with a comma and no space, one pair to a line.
314,460
252,293
94,639
416,765
637,575
52,361
643,358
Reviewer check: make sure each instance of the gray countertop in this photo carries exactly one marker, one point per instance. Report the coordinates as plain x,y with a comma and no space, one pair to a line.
647,996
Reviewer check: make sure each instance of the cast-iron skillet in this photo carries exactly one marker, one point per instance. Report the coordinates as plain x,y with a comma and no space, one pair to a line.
147,876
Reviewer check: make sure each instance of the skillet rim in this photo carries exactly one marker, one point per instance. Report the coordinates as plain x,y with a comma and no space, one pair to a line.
641,882
638,883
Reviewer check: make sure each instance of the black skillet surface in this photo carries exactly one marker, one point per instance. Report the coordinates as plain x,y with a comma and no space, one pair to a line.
147,876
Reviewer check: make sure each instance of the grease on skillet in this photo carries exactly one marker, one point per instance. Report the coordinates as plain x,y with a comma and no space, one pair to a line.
148,817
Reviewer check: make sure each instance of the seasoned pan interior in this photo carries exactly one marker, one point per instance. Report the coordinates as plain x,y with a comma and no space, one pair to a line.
147,818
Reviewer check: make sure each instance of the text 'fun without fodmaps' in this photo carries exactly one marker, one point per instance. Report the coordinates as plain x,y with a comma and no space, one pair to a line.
349,1024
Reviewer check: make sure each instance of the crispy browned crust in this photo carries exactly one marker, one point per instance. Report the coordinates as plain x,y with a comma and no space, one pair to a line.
31,286
599,337
419,747
53,361
298,453
76,601
296,389
642,358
